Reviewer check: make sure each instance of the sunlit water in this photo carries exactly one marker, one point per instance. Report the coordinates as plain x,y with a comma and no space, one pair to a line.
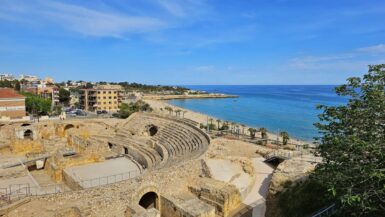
275,107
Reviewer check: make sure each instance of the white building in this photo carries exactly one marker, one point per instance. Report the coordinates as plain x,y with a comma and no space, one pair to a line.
8,77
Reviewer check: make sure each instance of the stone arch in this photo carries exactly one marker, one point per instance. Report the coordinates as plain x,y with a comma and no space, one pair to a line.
110,145
149,200
148,197
67,127
151,130
28,134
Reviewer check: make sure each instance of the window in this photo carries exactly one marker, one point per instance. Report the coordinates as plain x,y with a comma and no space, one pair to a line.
109,97
104,103
114,97
98,97
109,102
104,97
104,92
114,91
98,92
109,92
99,103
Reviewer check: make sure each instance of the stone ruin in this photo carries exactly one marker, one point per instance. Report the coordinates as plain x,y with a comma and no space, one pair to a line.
78,156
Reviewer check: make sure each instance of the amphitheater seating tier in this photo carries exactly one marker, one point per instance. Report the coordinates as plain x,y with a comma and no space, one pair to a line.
176,139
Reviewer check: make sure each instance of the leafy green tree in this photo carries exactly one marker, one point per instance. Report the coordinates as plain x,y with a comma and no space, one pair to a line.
89,85
17,85
125,110
353,146
37,105
285,137
64,96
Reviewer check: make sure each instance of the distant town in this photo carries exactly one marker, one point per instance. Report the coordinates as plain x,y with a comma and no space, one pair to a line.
28,96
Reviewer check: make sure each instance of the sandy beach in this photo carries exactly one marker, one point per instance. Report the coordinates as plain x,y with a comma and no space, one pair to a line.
203,118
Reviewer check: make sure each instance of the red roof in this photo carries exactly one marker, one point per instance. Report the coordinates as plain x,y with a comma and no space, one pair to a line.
9,93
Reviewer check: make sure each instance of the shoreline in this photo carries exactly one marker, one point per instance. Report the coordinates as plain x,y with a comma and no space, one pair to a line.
202,118
196,96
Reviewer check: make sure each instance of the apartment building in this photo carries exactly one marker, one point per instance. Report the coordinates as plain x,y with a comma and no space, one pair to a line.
12,104
8,77
43,90
102,97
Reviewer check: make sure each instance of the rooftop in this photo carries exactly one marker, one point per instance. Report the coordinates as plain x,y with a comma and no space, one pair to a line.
9,93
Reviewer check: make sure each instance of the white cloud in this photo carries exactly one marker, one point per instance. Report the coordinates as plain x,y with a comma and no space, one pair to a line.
376,49
341,61
172,7
86,21
204,68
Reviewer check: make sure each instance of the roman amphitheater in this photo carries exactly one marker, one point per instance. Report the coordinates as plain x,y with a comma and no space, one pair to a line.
146,165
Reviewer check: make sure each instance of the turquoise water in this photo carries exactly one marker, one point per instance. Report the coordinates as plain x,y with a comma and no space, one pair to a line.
290,108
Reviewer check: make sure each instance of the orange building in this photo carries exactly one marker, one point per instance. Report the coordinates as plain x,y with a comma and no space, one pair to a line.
12,104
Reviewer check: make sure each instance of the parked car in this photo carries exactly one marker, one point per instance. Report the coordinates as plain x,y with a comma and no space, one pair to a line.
101,112
81,113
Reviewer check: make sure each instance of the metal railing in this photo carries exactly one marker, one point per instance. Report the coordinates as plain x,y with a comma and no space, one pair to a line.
16,192
106,180
281,154
330,210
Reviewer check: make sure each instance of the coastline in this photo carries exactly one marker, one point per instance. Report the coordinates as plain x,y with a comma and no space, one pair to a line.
190,96
202,118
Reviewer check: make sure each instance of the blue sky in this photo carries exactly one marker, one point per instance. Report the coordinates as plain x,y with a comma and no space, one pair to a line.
193,41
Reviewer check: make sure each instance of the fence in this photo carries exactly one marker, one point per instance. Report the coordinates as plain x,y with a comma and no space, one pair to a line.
16,192
281,154
330,210
106,180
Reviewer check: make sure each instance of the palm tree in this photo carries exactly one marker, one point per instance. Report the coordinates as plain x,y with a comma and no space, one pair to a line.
218,122
285,137
177,112
252,132
264,135
184,112
243,129
169,109
263,132
232,127
211,121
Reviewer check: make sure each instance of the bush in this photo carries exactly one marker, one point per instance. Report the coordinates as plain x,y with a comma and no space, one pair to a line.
125,110
302,199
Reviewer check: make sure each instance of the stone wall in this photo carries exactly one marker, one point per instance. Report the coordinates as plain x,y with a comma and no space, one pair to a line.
223,196
187,208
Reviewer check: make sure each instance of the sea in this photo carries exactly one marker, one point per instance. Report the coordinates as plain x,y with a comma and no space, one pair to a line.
290,108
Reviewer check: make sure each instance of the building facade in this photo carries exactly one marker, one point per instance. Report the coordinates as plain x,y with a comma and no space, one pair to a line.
102,97
8,77
12,104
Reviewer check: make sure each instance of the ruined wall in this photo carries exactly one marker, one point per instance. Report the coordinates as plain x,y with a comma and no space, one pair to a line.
223,196
58,163
189,208
70,182
25,146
